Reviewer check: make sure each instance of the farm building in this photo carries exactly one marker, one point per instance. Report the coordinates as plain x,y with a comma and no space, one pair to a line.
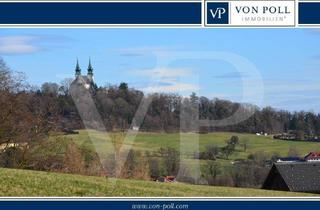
312,156
294,176
290,159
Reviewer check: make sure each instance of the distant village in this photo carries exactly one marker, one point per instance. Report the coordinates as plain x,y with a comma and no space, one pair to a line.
292,136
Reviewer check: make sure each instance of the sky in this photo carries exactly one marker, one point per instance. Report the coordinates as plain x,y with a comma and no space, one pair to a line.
266,67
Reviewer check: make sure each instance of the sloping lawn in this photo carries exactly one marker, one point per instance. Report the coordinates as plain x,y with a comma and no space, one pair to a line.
15,182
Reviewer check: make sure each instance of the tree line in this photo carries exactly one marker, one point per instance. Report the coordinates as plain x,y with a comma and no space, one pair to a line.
50,107
117,106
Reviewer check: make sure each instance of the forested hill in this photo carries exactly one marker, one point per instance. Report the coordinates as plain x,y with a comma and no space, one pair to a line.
118,105
51,105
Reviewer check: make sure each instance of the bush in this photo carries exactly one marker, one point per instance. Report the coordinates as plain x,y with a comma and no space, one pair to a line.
12,157
227,150
92,162
55,154
132,166
171,160
248,175
259,158
212,170
210,153
154,168
73,161
234,140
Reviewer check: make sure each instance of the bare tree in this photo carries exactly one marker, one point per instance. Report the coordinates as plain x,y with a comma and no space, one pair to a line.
65,86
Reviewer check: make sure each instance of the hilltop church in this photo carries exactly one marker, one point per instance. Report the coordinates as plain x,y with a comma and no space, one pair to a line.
85,81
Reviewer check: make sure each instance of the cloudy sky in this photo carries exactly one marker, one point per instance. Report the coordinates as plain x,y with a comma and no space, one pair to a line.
277,67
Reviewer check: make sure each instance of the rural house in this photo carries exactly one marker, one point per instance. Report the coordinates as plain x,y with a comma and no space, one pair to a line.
294,176
312,156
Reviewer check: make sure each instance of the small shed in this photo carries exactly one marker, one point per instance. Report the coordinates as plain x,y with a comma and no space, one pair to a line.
294,176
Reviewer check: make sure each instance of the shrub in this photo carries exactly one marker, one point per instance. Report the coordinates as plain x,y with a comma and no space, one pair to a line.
210,153
73,160
171,160
132,166
154,168
12,157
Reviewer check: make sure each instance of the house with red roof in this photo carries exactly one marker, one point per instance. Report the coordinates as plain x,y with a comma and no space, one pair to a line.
312,156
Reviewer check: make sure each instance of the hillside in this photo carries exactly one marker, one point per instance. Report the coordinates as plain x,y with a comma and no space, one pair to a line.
34,183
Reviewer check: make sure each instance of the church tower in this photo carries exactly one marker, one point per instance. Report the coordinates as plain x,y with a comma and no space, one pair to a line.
85,81
78,70
90,71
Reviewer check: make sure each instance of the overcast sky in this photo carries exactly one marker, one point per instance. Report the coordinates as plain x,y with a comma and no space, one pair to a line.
286,61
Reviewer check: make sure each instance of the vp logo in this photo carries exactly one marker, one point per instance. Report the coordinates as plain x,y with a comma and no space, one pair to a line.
217,13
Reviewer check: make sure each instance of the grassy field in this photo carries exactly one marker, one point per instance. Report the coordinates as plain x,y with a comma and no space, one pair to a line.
34,183
153,141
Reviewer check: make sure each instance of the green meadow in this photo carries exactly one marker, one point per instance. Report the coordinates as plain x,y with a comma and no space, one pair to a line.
189,142
16,182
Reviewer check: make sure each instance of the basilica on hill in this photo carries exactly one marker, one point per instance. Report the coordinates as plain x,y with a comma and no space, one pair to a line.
85,81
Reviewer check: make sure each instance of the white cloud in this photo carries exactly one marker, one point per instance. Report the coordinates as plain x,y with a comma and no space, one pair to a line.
18,44
144,49
168,80
172,88
164,73
158,51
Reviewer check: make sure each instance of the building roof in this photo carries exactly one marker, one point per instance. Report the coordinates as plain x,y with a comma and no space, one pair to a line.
288,159
82,79
298,176
312,155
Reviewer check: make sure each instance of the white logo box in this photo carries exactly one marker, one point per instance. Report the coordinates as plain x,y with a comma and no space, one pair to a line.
260,13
